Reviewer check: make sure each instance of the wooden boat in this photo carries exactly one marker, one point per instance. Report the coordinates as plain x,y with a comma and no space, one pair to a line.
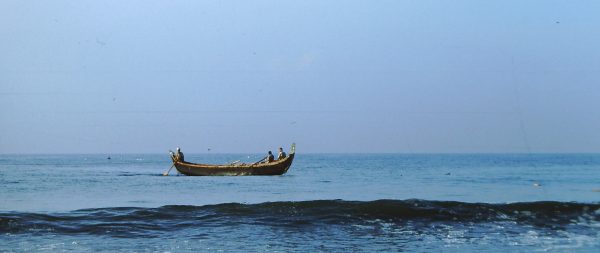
278,167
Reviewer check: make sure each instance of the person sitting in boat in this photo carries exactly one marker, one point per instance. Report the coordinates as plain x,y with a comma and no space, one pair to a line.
179,155
270,158
281,154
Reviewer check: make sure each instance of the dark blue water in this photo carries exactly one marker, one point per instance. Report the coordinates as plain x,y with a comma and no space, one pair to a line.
360,202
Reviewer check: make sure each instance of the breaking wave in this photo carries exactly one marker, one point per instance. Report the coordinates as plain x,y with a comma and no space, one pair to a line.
420,214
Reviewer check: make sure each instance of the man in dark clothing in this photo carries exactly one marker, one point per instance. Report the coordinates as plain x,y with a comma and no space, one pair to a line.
180,155
270,157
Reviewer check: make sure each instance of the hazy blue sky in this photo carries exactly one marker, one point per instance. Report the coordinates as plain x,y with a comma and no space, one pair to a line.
332,76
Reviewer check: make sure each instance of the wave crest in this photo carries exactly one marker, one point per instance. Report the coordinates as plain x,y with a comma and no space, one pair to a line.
132,221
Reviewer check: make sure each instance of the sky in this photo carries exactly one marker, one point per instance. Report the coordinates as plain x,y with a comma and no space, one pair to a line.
332,76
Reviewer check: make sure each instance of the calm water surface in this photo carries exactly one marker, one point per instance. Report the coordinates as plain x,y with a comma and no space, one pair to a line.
350,202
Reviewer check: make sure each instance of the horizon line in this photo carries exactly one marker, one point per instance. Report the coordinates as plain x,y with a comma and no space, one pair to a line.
323,153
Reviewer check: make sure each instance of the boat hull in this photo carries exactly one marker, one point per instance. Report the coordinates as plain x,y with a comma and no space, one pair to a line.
279,167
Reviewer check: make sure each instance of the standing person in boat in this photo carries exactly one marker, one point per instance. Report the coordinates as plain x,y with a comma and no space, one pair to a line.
281,154
179,155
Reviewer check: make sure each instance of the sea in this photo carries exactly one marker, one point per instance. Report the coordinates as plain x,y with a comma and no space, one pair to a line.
325,203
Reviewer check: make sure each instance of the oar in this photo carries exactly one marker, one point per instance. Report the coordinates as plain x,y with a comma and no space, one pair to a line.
260,160
167,173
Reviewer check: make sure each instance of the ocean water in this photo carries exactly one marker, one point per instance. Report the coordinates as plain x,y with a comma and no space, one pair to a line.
326,202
